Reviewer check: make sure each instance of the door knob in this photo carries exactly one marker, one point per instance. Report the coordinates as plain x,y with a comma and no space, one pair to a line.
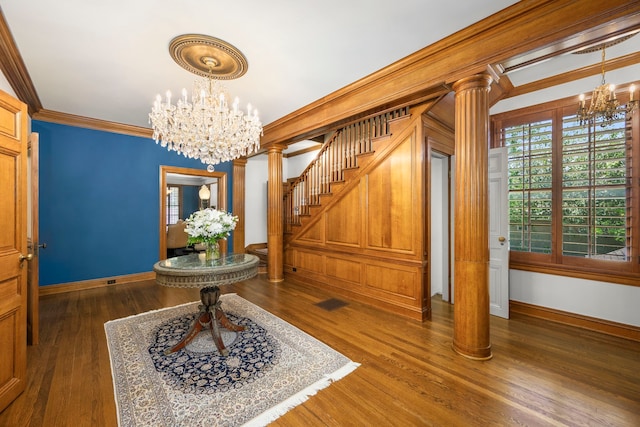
501,239
21,258
28,257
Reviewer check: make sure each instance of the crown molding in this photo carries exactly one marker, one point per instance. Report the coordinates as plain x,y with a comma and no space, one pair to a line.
522,27
15,70
89,123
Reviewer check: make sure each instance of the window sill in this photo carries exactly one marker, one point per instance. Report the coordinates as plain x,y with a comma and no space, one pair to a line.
613,276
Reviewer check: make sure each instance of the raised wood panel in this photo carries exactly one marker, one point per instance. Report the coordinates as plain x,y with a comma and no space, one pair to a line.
8,123
341,268
343,220
390,195
9,290
7,341
315,233
310,261
394,280
7,204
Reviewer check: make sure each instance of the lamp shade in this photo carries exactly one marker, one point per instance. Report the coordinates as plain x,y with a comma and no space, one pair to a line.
204,193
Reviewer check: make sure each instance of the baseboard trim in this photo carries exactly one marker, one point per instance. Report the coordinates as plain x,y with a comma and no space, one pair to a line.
95,283
585,322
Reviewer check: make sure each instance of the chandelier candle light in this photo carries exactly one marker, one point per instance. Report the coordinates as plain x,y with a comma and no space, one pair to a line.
205,126
604,107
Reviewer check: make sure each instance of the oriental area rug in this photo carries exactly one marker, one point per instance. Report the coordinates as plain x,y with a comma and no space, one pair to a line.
272,366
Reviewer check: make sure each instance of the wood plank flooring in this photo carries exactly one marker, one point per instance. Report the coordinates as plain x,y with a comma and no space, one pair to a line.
542,374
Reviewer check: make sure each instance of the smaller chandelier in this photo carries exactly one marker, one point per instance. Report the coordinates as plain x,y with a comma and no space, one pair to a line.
604,107
205,126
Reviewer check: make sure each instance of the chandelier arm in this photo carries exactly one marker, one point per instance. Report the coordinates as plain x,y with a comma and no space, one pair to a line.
206,129
604,107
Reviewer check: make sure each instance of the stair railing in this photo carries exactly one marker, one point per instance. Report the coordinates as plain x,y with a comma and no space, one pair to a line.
335,156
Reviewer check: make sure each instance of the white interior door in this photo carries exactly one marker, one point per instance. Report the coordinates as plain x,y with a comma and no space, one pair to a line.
439,256
498,233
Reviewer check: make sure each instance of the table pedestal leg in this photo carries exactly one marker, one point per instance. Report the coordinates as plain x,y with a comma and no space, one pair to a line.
210,316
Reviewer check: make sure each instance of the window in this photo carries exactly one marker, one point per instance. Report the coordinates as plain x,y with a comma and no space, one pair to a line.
594,190
530,179
173,204
571,193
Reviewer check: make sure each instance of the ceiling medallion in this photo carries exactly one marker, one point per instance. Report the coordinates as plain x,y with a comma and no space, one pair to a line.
206,126
206,56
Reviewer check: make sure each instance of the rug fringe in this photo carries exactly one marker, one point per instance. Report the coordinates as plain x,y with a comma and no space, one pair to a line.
282,408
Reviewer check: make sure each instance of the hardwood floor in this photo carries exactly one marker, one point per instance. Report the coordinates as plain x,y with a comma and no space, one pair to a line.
541,373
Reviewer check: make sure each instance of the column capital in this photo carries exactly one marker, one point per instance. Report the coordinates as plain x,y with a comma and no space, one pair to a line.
482,80
275,147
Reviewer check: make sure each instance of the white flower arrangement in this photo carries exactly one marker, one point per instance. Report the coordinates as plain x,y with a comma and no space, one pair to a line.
209,225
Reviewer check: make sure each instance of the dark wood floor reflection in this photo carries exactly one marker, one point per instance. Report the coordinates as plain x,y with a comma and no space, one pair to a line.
541,373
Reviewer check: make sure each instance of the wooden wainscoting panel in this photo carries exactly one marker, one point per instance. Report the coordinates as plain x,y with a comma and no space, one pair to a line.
391,195
343,220
397,280
341,268
310,261
314,233
289,257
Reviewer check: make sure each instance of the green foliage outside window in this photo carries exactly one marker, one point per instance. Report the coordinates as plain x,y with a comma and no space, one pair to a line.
594,188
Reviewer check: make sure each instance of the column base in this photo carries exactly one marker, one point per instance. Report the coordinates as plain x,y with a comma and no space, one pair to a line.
473,354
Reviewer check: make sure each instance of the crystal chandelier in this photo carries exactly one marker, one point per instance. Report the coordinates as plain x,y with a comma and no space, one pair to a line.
604,107
205,126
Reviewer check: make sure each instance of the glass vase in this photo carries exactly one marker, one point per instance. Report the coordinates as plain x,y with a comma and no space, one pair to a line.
212,251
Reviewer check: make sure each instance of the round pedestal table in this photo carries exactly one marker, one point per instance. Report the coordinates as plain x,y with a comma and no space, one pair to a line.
194,271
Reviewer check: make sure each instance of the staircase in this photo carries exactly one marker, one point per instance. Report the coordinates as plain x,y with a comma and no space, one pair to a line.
350,148
259,250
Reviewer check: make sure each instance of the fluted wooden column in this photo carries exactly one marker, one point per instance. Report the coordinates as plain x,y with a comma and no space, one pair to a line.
238,204
471,282
275,218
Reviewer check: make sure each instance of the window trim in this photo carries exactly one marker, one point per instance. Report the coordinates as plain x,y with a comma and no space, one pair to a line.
556,263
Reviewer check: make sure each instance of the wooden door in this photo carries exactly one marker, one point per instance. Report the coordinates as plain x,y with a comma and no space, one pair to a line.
13,248
33,293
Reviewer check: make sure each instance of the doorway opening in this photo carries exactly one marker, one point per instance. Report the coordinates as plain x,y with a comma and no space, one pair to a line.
441,220
184,191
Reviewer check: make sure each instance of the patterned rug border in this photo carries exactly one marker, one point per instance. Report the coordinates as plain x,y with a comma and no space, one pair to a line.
273,412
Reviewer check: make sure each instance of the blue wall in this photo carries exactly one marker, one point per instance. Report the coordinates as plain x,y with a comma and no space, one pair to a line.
99,202
190,200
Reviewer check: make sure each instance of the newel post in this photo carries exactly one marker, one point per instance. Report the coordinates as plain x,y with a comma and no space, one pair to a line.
471,281
275,216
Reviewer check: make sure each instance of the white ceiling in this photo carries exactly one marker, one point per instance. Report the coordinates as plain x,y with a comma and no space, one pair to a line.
108,59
